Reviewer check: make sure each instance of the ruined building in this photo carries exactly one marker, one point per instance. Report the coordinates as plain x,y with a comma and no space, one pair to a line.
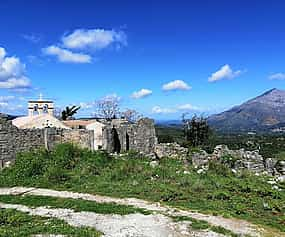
44,130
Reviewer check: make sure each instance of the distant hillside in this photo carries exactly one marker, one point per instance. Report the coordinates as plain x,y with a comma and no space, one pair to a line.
7,116
169,123
265,113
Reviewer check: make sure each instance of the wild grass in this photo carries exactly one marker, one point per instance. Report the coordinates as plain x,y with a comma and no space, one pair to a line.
74,204
217,191
18,224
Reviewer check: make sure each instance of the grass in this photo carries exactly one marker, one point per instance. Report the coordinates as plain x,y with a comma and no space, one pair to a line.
203,225
18,224
76,205
218,191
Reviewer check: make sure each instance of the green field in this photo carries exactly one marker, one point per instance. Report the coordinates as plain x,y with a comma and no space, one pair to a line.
217,191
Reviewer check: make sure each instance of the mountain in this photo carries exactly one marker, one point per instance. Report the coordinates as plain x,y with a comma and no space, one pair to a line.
262,113
7,116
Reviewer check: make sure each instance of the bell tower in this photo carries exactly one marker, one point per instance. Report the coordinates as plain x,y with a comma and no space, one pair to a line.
40,106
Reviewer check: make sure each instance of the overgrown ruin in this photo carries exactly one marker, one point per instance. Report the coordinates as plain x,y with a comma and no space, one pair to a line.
116,136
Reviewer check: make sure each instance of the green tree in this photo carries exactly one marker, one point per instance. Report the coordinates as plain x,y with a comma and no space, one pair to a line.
196,130
69,112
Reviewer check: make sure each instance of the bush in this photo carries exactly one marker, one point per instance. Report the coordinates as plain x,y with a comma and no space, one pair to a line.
66,155
219,169
29,164
229,160
56,175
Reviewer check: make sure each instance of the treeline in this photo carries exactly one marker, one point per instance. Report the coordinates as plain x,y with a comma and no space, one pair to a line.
195,132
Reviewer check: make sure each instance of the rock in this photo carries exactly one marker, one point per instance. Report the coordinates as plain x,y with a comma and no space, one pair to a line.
153,164
280,166
200,171
200,158
270,164
171,150
280,179
271,182
238,160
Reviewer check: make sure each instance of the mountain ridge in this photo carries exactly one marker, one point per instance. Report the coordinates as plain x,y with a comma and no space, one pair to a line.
261,113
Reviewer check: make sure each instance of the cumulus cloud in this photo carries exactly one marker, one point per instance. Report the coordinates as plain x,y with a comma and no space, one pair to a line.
187,107
79,46
94,38
67,56
277,76
12,72
160,110
141,93
20,84
225,72
176,85
175,109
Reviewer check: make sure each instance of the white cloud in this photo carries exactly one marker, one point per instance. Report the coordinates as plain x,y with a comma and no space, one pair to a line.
176,85
94,38
277,76
32,38
225,72
159,110
4,101
21,83
7,98
141,93
67,56
187,107
12,72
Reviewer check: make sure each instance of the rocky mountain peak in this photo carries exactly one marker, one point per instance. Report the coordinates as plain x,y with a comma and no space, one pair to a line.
258,114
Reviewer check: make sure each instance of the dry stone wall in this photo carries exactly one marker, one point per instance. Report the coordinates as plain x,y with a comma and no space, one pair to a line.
139,136
14,140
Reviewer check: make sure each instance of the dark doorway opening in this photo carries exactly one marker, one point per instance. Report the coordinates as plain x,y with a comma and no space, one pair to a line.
116,141
127,142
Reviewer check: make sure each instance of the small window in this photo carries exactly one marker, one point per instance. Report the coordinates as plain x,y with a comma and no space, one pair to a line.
45,109
36,109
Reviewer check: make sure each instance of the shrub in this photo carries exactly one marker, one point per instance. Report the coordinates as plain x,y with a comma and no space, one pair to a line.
66,155
219,169
56,175
29,164
228,160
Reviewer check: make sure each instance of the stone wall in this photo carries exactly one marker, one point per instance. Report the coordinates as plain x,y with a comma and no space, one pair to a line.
172,150
118,136
239,160
14,140
123,136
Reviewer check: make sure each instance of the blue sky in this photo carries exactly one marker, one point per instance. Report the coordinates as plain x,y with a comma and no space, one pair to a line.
161,58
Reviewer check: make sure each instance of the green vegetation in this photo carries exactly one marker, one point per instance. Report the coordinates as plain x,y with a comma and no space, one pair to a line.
217,191
203,225
195,224
269,145
18,224
76,205
196,130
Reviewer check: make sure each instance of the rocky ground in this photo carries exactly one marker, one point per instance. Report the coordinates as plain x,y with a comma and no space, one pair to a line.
160,223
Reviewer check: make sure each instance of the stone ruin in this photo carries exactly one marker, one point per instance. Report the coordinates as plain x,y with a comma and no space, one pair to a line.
240,160
117,136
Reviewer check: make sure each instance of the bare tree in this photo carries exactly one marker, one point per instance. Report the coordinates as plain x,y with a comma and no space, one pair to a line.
107,107
131,115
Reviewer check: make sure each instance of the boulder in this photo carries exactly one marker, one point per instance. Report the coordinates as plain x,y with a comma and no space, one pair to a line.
171,150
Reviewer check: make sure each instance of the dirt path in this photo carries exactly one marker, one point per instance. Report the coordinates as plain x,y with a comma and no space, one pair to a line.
157,222
133,225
